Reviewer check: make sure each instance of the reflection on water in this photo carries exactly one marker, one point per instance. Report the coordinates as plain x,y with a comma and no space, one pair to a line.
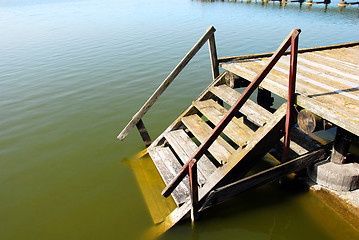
73,72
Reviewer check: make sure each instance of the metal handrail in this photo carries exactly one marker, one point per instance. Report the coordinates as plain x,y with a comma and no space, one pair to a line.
136,119
190,166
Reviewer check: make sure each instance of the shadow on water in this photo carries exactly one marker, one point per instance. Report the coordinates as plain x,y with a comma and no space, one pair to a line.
275,211
256,214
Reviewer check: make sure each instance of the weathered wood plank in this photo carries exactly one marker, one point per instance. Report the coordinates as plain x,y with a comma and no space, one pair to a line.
334,115
307,73
193,177
341,94
316,74
213,56
339,63
220,149
184,148
143,132
236,130
250,109
143,110
168,166
242,69
336,108
345,56
313,73
224,193
178,147
321,77
308,84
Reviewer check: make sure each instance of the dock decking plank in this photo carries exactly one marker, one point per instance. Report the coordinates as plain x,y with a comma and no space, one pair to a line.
315,73
327,82
311,83
325,66
337,64
350,60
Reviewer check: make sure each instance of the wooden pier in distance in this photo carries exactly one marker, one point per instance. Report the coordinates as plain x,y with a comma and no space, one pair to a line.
205,155
309,3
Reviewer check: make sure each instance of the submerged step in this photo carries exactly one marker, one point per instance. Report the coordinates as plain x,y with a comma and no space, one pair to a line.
168,166
185,148
151,185
255,113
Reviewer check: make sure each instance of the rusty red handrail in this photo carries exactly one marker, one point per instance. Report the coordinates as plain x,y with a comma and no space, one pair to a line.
291,94
291,40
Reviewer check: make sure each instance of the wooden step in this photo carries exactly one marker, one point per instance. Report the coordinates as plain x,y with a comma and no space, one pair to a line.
184,148
168,166
236,130
255,113
151,185
220,149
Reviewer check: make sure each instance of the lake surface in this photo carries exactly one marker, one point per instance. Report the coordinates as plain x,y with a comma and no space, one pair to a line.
72,74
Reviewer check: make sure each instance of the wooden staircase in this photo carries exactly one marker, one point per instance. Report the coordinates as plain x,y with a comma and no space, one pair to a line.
205,153
179,142
246,139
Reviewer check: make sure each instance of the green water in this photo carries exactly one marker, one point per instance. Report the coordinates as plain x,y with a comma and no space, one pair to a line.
72,73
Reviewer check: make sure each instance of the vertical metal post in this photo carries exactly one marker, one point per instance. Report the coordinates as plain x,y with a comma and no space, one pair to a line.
291,93
213,56
194,189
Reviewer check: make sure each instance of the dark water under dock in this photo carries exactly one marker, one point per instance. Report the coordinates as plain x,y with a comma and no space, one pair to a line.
72,73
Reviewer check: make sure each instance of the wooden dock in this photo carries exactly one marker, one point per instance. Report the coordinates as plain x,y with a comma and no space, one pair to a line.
327,81
246,139
205,154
